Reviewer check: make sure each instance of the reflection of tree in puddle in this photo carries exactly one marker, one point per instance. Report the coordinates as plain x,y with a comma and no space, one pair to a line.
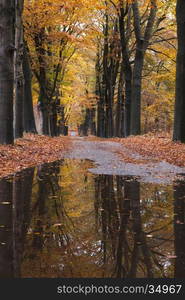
136,227
179,229
81,225
62,221
15,196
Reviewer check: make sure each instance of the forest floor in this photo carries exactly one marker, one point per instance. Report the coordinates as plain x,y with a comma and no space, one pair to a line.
30,151
152,158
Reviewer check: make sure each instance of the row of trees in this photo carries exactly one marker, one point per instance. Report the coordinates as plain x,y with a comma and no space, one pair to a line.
136,43
16,109
135,69
54,32
132,88
38,39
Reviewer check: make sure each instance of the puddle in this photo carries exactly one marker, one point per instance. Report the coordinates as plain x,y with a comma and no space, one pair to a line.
60,220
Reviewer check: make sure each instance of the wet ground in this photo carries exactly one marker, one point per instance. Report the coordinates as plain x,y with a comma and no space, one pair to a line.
109,162
93,215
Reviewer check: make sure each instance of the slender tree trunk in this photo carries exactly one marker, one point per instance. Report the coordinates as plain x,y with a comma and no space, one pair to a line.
127,71
109,125
63,129
53,119
86,123
128,99
7,25
44,113
43,100
179,122
105,73
92,121
106,76
99,94
19,75
119,124
28,114
101,118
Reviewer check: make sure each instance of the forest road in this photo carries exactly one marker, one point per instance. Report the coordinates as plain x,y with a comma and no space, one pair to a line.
108,160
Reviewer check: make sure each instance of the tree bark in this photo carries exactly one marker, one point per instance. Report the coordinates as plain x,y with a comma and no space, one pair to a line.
99,94
126,68
136,92
7,47
142,42
120,110
19,75
179,121
106,76
28,114
43,99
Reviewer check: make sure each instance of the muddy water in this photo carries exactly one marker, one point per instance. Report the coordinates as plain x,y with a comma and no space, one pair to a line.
60,220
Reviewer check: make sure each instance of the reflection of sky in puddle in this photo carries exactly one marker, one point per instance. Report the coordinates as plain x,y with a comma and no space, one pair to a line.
71,223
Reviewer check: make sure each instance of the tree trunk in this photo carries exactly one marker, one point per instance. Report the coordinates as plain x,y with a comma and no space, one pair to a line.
7,25
89,126
179,122
100,106
133,81
28,114
19,76
105,80
44,113
111,67
43,100
53,119
127,71
85,126
62,128
142,42
109,124
92,121
119,124
136,93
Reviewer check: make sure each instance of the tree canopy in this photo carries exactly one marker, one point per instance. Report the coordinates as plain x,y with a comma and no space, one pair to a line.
107,68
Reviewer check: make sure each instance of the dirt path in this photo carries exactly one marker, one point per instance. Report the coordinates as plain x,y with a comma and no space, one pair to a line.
108,160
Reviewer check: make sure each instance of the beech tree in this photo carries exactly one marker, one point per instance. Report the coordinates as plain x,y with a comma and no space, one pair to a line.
28,114
7,47
124,14
19,74
142,43
179,122
107,68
